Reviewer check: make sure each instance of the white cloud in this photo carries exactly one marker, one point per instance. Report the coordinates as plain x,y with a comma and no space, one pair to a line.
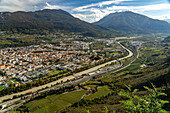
100,4
95,14
141,8
161,17
18,5
49,6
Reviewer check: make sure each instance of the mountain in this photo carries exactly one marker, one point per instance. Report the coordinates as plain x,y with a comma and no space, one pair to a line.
48,19
133,23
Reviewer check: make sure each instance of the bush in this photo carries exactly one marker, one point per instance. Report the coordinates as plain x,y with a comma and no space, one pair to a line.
148,104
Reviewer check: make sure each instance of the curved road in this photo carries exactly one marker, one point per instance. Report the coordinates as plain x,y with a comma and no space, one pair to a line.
67,78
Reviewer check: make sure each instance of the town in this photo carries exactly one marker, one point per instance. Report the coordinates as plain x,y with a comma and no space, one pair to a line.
21,65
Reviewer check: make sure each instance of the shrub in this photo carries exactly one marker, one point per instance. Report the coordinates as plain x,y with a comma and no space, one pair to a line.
148,104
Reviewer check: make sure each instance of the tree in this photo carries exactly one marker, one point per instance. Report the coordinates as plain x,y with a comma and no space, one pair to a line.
29,85
1,73
1,107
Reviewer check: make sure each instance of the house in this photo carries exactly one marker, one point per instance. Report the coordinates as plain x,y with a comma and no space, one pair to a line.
17,84
86,88
2,66
76,87
91,73
1,78
23,78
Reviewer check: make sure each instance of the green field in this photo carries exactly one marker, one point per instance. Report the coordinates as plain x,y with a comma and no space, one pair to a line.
106,79
54,72
115,53
92,82
53,103
102,91
91,86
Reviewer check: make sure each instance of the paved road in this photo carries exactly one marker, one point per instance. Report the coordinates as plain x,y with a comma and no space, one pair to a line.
67,78
102,65
8,102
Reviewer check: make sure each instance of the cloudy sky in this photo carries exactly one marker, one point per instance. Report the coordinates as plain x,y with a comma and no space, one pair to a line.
92,10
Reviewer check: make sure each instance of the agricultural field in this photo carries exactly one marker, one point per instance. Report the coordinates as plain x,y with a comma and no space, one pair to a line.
91,86
106,79
101,91
53,103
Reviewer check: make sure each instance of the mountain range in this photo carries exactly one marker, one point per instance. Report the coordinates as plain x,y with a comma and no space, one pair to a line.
133,23
49,20
115,24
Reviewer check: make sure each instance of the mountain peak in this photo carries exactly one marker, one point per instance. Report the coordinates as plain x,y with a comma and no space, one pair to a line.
51,10
134,23
125,13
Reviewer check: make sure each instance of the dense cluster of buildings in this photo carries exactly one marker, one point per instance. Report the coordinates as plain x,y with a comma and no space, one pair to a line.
27,63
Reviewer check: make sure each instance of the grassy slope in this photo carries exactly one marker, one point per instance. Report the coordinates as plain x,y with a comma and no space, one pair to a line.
54,103
101,92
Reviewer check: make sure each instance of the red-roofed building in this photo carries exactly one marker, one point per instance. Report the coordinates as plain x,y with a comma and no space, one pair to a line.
86,88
